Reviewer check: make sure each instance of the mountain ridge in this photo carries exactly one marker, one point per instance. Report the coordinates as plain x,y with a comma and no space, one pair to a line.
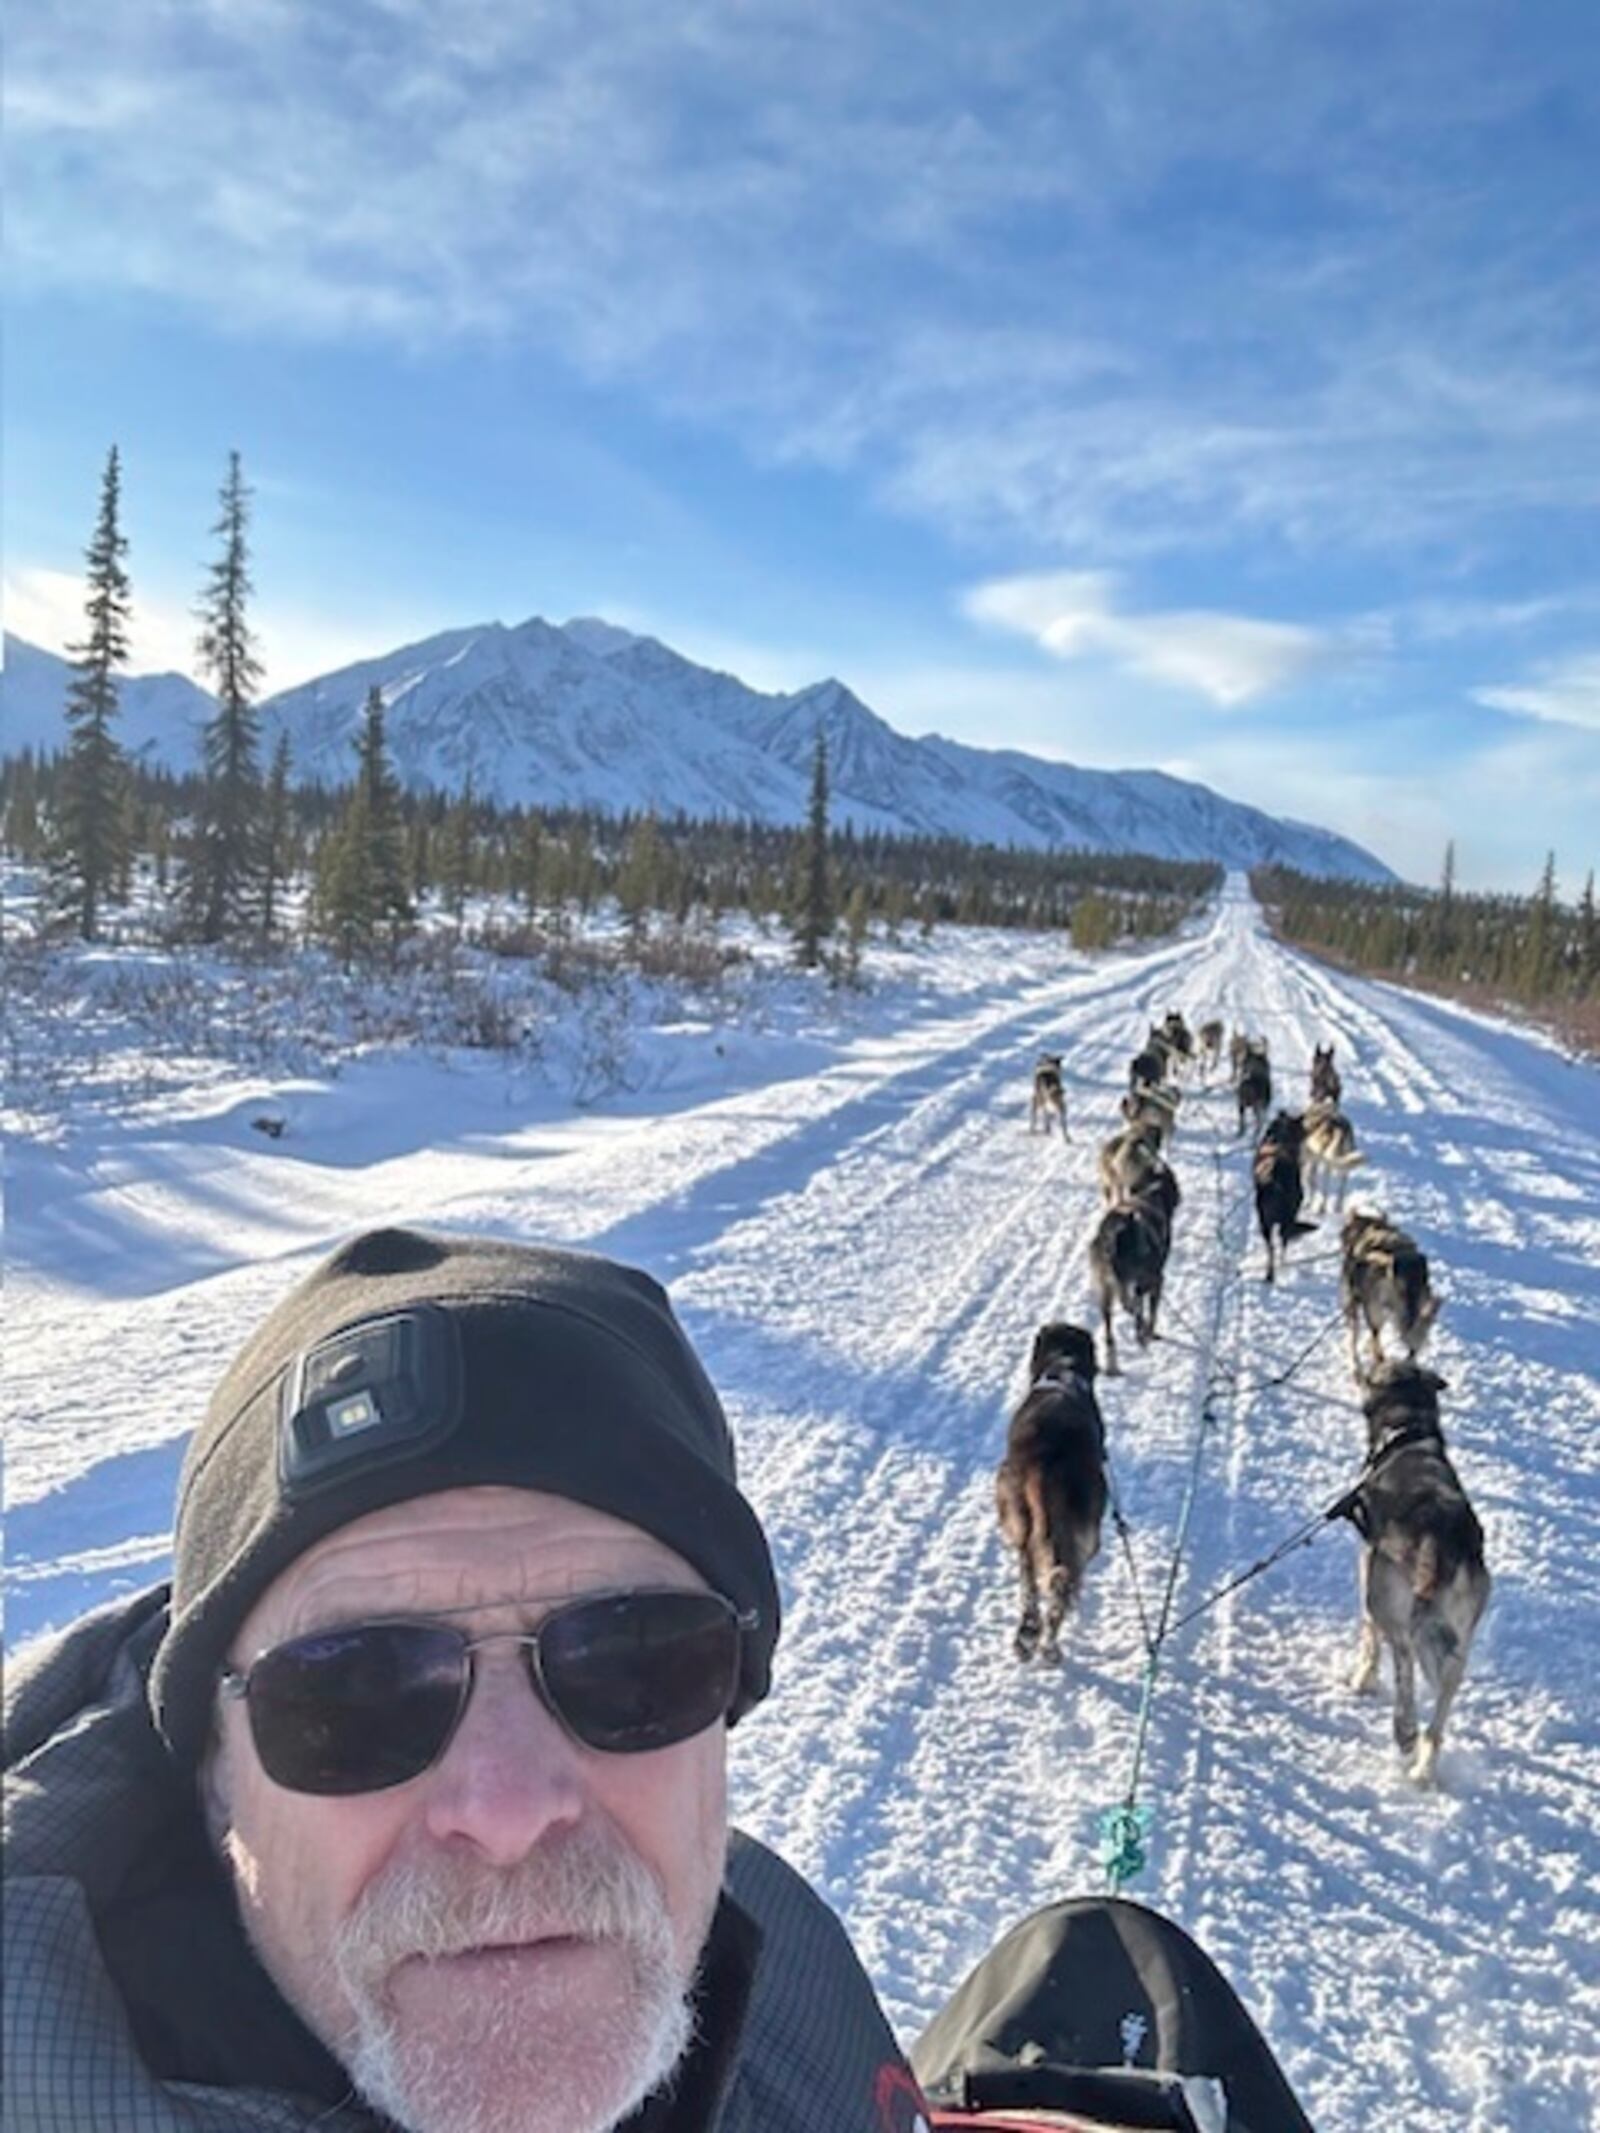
588,713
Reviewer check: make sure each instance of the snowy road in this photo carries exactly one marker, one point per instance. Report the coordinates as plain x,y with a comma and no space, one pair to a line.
863,1251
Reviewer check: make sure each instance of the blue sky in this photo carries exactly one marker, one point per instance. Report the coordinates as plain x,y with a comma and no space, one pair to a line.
1211,384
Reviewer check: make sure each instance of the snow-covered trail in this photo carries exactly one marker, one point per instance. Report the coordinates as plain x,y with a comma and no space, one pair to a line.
863,1252
1416,1958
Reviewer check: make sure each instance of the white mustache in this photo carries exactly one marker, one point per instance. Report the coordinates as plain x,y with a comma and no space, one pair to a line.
586,1887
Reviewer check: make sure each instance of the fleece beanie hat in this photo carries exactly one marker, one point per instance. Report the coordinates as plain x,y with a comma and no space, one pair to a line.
410,1363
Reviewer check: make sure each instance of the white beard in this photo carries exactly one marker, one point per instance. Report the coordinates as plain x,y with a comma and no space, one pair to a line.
498,2068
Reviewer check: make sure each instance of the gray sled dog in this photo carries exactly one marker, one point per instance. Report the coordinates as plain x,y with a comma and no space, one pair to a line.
1050,1490
1423,1582
1130,1161
1209,1050
1329,1152
1383,1281
1049,1094
1326,1087
1153,1107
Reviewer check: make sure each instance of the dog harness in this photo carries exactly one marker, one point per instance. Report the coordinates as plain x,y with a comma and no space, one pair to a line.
1353,1504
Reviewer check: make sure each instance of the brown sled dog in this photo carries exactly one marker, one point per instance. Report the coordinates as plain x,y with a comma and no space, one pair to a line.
1050,1490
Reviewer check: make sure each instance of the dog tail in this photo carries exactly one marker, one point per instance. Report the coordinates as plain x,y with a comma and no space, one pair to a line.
1297,1228
1054,1559
1422,1306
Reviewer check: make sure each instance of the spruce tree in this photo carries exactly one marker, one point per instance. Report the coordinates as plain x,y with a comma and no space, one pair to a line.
24,837
814,915
275,839
530,871
639,878
128,845
419,858
856,921
1445,913
1588,940
1539,947
369,902
224,882
87,862
454,857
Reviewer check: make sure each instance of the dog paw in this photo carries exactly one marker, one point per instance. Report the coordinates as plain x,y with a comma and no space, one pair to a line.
1424,1764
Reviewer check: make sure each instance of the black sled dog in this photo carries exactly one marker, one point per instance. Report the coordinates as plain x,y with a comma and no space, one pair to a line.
1252,1085
1423,1582
1128,1259
1050,1490
1279,1189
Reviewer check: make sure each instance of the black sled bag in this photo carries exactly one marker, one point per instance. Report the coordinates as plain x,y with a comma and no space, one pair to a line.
1099,2007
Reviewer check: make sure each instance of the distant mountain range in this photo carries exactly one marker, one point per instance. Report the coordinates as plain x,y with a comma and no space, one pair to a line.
587,714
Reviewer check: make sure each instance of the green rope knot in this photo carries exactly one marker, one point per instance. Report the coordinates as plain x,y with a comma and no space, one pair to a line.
1123,1831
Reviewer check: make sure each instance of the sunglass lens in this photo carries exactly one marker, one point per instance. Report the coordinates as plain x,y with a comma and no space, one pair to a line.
641,1670
359,1709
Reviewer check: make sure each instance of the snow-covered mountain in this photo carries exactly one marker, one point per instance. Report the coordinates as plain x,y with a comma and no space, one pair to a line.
585,713
161,714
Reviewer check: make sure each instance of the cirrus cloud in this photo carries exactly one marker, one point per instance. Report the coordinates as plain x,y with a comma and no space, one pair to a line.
1229,659
1565,692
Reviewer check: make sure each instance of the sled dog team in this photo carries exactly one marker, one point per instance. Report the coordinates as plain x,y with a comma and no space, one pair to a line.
1423,1584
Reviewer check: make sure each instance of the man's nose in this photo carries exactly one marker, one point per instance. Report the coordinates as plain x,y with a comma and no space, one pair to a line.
510,1774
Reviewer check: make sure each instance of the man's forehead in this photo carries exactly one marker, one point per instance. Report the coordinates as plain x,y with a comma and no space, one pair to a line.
464,1550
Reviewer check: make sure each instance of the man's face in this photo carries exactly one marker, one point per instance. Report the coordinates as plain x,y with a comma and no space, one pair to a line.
572,1889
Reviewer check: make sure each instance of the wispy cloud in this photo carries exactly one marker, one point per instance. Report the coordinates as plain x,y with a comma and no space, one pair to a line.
1111,283
296,644
1443,621
1565,692
47,608
1229,659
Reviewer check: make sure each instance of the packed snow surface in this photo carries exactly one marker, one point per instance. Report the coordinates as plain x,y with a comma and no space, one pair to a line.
862,1236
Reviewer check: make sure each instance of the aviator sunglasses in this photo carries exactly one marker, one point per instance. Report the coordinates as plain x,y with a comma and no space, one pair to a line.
367,1705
